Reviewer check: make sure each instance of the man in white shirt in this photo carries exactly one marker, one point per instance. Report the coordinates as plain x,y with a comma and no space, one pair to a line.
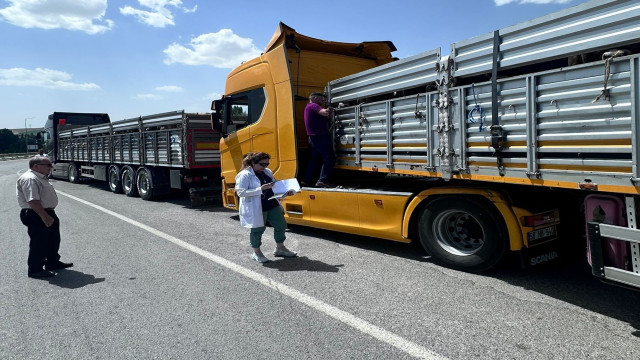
37,199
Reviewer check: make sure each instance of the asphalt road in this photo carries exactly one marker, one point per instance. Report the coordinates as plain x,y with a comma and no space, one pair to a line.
160,280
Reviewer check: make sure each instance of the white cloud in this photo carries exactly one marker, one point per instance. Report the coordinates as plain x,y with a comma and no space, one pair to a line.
85,15
192,10
169,88
223,49
148,97
158,14
505,2
44,78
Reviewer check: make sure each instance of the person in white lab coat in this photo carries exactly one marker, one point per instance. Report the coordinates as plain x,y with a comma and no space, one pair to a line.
253,187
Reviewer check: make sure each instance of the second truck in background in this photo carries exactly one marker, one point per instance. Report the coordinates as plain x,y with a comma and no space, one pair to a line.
145,156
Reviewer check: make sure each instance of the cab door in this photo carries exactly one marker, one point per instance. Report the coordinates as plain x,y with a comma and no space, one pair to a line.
240,112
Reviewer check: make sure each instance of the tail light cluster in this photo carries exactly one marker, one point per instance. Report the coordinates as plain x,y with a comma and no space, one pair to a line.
195,179
549,217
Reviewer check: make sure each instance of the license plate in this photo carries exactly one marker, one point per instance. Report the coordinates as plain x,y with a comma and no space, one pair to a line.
543,234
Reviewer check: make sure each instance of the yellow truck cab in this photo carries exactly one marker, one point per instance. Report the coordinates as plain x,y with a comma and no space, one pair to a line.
264,100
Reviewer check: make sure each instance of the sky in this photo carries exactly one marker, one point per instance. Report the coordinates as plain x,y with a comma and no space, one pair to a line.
140,57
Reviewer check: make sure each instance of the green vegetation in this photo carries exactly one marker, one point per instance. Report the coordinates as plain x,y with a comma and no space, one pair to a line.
12,143
238,111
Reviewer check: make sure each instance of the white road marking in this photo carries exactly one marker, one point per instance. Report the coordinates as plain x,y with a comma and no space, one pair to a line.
379,333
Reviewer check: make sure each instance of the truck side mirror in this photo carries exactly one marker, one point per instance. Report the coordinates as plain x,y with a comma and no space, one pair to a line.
218,123
215,122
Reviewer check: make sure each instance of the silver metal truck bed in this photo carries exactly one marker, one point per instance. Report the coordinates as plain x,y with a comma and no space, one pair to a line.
550,129
173,139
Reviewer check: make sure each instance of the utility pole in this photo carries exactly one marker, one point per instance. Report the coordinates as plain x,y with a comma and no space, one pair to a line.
26,141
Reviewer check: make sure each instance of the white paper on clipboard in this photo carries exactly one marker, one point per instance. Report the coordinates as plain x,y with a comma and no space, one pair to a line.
282,187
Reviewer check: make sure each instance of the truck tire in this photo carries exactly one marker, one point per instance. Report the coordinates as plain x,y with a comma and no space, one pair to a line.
73,173
128,177
115,182
144,181
463,233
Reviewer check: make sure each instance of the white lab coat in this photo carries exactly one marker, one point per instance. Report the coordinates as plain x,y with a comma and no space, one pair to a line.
249,192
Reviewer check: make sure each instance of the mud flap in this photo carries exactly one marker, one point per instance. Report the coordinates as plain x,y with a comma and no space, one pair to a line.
537,256
595,250
205,196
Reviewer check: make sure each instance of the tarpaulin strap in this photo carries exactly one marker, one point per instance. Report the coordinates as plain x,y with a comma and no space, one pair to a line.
607,57
417,112
497,134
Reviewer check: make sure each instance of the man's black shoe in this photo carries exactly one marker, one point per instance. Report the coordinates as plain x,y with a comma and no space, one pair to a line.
58,265
321,184
41,274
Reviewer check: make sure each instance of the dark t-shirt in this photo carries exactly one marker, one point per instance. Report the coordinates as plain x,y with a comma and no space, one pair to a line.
266,194
315,123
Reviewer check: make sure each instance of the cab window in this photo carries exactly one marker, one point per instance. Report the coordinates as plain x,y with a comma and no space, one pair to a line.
243,109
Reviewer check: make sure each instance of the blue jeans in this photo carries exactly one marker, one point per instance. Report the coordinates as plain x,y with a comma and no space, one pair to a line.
321,149
275,217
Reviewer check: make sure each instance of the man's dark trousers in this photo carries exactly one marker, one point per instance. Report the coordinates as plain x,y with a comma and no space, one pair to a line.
321,149
44,241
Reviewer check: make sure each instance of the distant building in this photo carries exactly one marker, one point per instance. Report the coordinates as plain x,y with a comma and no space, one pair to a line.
30,131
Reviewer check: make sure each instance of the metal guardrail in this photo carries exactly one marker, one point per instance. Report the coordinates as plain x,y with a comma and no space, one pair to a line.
11,156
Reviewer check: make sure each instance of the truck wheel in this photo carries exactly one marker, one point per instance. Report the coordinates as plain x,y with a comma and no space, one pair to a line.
73,173
115,184
129,181
463,233
144,180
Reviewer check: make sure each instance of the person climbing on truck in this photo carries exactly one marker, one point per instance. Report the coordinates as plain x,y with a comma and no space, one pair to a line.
316,122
